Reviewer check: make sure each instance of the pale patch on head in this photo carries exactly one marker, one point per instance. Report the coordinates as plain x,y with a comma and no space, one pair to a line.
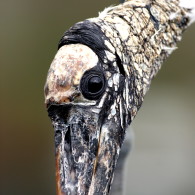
66,71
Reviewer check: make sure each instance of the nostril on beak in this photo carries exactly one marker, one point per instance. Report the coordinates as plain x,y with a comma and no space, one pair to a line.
67,136
67,139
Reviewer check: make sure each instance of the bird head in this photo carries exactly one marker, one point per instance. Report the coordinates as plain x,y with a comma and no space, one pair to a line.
86,101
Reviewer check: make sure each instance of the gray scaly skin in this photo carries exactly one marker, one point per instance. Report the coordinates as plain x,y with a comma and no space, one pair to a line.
124,48
143,33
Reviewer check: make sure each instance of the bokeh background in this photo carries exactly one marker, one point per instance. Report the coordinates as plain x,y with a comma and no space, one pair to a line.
163,158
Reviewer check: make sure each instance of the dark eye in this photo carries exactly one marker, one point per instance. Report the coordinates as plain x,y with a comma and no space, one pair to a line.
92,85
95,84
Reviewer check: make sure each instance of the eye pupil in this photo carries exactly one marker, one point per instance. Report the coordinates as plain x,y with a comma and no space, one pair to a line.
95,84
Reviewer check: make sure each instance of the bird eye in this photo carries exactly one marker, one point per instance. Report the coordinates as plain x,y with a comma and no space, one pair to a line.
92,85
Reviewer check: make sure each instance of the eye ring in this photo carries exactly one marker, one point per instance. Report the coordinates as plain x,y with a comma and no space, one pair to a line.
93,84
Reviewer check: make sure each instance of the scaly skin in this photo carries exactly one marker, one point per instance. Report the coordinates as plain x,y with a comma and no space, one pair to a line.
143,33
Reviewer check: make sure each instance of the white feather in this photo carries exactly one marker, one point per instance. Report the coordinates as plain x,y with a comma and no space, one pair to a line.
105,11
173,16
169,50
189,4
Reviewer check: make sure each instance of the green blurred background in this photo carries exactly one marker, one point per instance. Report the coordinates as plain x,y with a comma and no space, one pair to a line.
163,158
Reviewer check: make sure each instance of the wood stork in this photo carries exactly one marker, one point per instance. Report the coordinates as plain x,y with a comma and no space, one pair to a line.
97,83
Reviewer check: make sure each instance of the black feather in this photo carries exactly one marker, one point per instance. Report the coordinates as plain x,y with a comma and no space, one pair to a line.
86,33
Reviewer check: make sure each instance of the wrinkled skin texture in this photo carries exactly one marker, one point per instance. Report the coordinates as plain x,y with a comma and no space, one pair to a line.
126,45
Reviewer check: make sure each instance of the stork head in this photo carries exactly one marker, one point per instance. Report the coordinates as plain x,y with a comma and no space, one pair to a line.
85,94
96,84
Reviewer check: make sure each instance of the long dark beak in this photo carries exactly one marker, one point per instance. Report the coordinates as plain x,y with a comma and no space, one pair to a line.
86,152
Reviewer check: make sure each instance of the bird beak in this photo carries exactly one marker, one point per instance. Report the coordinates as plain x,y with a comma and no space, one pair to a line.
86,153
